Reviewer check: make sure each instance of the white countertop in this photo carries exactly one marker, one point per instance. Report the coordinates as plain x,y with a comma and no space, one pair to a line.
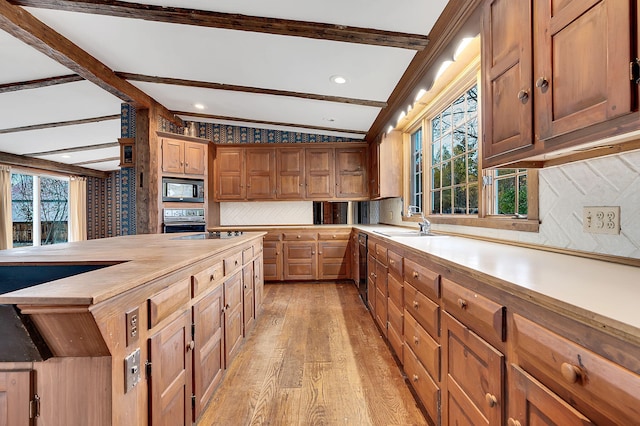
608,290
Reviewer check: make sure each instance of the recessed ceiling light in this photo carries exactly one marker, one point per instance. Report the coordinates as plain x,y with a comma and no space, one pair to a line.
198,106
420,94
329,119
338,79
65,156
463,44
443,68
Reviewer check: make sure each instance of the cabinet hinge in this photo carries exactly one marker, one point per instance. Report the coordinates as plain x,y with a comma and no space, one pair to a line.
193,331
34,407
193,402
487,180
147,366
634,71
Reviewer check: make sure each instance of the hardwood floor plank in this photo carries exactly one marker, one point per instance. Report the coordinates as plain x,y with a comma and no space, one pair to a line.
314,357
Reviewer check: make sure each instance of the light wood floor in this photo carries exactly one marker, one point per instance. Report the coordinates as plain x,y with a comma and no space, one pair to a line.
315,357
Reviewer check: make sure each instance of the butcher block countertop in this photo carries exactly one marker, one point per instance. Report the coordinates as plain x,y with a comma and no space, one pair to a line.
135,259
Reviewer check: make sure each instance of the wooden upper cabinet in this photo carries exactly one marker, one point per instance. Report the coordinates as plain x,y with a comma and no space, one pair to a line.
320,173
507,73
574,87
290,179
230,174
183,157
581,65
386,169
351,173
374,171
261,174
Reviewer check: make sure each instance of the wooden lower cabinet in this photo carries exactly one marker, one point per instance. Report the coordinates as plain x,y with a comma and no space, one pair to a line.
248,298
16,394
170,378
258,285
427,389
333,260
208,355
273,260
300,260
233,320
474,373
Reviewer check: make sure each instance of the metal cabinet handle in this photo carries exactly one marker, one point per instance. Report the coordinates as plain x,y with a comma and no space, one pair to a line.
513,422
211,277
415,304
415,377
462,303
415,274
416,340
191,345
523,96
542,83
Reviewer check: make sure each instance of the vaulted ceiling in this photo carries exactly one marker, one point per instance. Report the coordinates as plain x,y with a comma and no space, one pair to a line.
67,65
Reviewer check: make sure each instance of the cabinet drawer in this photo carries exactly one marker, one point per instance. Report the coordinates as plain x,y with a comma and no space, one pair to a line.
423,309
395,340
395,264
423,346
247,255
300,236
168,301
204,280
604,391
232,263
425,387
395,291
425,280
395,314
340,235
273,236
482,315
381,254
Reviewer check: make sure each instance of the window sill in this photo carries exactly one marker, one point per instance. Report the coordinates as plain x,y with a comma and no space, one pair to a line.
511,224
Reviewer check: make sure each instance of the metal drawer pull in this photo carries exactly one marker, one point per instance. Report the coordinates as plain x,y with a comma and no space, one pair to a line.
415,377
462,303
571,373
513,422
415,274
211,277
492,401
415,304
416,340
191,345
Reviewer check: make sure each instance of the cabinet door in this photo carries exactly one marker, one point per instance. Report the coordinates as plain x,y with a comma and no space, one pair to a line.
320,172
261,174
507,77
170,381
531,403
381,296
247,283
474,378
290,173
258,285
272,254
233,322
172,156
371,284
194,158
15,394
581,63
351,173
374,171
333,260
300,260
229,174
208,355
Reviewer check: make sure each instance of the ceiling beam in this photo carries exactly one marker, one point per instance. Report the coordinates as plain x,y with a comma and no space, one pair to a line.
239,22
42,82
451,20
75,149
60,124
247,89
48,165
25,27
271,123
98,160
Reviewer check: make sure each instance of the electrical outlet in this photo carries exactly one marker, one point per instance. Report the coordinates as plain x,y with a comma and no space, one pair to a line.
601,220
390,215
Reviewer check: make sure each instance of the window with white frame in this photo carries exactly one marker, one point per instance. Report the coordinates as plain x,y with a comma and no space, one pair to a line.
417,167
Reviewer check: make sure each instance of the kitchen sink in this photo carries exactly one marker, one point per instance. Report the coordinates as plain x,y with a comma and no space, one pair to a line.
406,234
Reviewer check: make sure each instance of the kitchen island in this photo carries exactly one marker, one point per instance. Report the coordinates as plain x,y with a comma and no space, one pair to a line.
157,308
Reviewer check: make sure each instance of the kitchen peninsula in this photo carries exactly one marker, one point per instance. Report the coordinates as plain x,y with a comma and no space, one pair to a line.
161,308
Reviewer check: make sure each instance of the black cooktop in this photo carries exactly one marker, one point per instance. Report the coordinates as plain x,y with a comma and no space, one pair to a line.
209,235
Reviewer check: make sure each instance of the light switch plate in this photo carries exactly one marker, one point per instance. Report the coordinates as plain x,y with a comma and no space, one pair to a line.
601,220
132,370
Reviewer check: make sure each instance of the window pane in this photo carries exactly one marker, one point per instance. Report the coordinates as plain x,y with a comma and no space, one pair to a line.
446,174
472,99
459,171
473,199
54,194
505,172
523,207
435,153
22,209
435,202
506,190
472,134
435,127
472,166
458,141
446,201
460,202
458,110
446,147
435,178
446,120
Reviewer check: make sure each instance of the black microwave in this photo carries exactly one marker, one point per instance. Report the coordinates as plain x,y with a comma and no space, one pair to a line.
182,190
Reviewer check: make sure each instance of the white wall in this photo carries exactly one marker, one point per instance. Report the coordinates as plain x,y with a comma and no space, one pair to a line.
267,213
564,191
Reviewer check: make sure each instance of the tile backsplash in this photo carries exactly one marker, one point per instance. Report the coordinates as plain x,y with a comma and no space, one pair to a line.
564,191
267,213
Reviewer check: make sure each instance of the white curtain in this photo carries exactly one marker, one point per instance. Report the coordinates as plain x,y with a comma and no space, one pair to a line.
77,209
6,220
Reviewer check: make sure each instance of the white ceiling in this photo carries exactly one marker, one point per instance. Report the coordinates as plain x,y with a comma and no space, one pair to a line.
298,69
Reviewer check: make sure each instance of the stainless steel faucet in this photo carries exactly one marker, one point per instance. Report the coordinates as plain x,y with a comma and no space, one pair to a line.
425,225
